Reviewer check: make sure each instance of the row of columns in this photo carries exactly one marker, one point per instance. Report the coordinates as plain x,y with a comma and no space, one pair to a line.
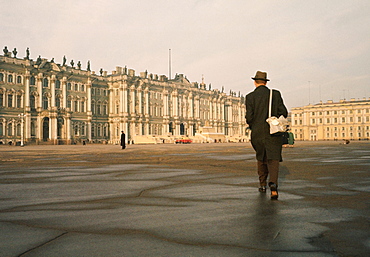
52,112
134,112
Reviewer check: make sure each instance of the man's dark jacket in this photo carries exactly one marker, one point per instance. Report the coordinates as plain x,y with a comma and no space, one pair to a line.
257,105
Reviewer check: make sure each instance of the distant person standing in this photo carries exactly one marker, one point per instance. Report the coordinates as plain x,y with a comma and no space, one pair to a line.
123,140
268,147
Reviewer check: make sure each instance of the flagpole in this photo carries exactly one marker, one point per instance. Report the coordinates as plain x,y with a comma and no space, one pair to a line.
169,64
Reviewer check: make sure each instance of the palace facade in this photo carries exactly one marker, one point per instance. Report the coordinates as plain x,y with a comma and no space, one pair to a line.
343,120
45,102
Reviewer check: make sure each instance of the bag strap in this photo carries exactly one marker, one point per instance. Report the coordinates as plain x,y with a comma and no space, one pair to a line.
270,103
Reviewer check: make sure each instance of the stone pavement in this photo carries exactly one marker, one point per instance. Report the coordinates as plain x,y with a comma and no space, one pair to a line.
183,200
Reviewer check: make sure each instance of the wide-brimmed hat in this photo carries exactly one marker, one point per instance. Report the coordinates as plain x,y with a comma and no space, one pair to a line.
260,75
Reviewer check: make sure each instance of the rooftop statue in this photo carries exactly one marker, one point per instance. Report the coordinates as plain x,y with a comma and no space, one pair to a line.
15,52
6,51
27,53
64,60
38,61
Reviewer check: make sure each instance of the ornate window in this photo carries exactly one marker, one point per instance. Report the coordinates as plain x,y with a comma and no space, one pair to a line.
10,78
10,100
10,129
45,82
75,107
33,128
19,80
57,101
19,100
32,81
82,105
45,102
32,101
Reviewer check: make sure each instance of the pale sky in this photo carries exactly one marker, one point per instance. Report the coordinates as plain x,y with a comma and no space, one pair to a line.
312,50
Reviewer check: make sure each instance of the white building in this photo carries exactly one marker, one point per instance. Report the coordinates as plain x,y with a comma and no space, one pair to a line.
344,120
45,102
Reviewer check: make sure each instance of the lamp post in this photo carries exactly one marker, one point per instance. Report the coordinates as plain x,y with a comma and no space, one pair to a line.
22,115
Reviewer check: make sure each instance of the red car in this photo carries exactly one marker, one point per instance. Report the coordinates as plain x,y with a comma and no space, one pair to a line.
183,141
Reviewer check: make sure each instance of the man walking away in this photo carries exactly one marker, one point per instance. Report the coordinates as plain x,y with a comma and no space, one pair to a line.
268,147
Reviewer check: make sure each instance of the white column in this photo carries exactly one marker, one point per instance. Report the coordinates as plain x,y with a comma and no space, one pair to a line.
27,90
52,89
88,108
124,99
165,104
197,105
64,92
191,106
132,98
139,96
39,91
111,99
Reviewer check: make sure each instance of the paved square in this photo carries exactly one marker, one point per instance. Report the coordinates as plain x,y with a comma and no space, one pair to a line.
183,200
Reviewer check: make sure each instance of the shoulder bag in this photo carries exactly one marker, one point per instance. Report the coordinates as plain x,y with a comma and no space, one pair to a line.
276,124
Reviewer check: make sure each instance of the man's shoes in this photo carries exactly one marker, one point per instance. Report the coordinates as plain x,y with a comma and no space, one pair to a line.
274,195
274,192
262,189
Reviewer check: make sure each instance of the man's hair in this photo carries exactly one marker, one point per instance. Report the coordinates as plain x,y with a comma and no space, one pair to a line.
261,82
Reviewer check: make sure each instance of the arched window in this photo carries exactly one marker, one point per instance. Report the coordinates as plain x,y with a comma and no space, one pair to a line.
76,87
83,129
10,129
32,81
19,79
69,86
10,100
57,101
1,129
69,102
99,131
18,130
1,77
75,106
82,105
98,109
45,82
10,78
45,102
82,87
33,128
32,102
19,101
57,83
1,98
105,109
